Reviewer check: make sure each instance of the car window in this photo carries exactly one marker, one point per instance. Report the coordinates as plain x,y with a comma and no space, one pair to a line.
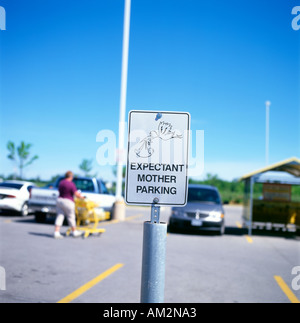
103,188
11,185
203,195
29,188
84,185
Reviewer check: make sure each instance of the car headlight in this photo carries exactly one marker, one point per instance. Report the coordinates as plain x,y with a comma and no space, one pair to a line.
216,215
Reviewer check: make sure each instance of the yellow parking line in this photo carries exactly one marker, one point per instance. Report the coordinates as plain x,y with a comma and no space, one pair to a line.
239,225
118,221
90,284
108,222
133,217
285,288
249,239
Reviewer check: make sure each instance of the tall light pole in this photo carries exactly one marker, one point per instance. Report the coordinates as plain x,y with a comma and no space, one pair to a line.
268,104
119,211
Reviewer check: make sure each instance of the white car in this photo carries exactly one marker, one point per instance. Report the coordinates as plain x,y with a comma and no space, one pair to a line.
14,196
43,200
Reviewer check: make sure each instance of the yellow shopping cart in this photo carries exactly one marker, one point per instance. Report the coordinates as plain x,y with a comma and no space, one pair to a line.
87,218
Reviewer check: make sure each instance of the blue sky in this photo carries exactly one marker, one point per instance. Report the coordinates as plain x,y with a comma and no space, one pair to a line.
219,60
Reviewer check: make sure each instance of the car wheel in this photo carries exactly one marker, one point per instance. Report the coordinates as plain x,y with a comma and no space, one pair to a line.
25,210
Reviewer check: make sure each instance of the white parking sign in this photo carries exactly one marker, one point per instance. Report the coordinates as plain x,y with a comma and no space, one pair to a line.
157,162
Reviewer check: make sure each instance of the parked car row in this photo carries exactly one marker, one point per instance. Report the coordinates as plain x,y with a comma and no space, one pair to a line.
204,209
25,197
43,200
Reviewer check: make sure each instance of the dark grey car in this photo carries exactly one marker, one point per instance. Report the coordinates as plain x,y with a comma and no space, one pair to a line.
204,211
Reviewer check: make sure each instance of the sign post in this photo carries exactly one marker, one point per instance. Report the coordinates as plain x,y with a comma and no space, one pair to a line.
157,175
154,259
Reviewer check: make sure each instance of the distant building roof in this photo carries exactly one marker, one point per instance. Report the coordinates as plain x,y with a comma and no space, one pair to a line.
288,172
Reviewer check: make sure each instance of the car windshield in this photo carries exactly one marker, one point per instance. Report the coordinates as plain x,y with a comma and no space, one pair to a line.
84,185
11,185
103,188
203,195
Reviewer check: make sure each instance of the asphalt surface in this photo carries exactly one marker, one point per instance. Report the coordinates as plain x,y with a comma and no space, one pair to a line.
206,268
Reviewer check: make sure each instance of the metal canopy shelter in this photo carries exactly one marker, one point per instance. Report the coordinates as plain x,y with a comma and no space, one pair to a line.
291,166
284,172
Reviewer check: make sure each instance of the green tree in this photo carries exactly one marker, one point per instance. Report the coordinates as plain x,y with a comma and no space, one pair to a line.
20,155
86,167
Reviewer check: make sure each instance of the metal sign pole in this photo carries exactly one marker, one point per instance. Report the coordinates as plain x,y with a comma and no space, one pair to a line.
251,206
268,104
157,167
154,258
123,97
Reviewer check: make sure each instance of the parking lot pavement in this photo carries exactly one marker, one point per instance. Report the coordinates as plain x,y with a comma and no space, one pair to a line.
107,269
